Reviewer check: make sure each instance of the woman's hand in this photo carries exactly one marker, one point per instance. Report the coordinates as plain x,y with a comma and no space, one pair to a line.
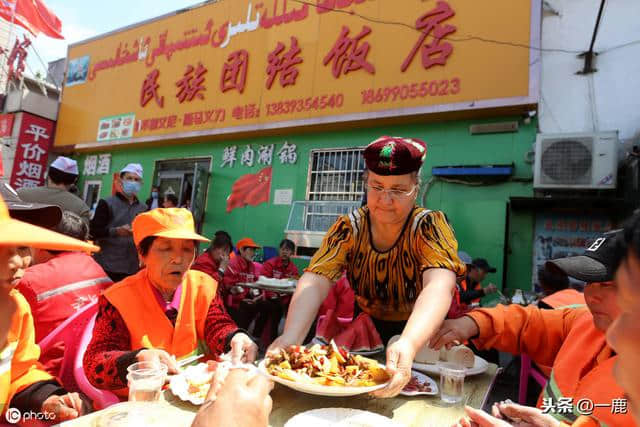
454,332
243,349
63,408
283,341
520,416
400,357
159,356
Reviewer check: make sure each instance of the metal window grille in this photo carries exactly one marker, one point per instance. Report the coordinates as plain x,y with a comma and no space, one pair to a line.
335,175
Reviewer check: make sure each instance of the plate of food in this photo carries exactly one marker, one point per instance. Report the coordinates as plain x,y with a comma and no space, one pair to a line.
420,385
193,383
276,283
340,417
324,370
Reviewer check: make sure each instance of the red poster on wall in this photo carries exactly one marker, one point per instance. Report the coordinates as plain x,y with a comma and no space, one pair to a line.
32,151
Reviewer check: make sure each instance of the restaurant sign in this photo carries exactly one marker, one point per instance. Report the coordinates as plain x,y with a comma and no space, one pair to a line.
32,152
243,65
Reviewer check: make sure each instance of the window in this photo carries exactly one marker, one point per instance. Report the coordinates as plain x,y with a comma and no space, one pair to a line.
335,186
336,174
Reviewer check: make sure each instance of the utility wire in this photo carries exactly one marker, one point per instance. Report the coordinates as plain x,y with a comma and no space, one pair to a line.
462,39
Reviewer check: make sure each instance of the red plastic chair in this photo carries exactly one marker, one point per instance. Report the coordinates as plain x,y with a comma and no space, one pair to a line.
76,333
527,369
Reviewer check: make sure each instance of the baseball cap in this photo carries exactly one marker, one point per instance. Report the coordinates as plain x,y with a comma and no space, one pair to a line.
464,257
172,223
598,262
134,168
16,232
247,242
66,165
483,264
47,216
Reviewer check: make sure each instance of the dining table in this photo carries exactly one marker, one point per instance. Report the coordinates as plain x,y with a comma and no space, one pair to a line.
405,411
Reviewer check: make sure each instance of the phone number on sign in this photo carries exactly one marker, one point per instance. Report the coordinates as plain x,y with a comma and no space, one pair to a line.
411,91
299,105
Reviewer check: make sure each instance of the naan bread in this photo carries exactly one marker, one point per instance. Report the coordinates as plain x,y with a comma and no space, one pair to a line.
460,355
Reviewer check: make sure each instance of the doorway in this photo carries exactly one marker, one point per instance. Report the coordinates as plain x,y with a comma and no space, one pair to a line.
188,181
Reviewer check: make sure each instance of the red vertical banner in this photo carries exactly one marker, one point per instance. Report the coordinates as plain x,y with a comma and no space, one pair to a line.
6,125
32,151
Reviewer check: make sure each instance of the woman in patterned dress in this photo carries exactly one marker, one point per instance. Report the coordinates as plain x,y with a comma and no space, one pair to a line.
400,259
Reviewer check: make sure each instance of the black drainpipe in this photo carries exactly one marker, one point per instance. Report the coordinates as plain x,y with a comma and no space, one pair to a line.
590,54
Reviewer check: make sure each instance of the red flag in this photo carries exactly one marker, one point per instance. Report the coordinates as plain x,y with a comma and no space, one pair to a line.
32,15
250,189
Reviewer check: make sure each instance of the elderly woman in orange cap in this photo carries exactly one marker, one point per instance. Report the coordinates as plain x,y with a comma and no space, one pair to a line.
24,384
400,259
163,312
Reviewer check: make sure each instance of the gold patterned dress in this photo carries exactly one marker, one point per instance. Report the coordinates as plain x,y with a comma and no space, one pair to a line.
387,283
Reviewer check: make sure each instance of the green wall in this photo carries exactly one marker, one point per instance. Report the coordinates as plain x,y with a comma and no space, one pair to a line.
477,213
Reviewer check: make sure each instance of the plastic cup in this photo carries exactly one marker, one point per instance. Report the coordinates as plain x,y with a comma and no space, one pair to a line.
145,380
451,383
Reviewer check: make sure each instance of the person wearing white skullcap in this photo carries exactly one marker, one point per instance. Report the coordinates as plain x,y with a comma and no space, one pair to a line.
62,175
111,225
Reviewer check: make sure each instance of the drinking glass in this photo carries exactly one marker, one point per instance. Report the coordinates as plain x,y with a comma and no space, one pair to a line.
451,382
145,381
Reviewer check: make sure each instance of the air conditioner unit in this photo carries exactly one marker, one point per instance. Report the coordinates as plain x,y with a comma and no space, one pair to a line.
576,160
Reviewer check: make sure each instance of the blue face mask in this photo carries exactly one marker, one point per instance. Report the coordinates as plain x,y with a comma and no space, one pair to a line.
131,188
154,194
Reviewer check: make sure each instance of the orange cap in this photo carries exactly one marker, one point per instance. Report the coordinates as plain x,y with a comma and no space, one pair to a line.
172,223
14,232
247,242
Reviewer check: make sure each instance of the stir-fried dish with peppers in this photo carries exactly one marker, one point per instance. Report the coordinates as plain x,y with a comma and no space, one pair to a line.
325,365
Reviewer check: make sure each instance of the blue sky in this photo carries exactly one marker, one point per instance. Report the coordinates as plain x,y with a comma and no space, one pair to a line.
82,19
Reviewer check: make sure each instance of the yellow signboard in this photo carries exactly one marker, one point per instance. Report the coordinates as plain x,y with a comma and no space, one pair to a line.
242,65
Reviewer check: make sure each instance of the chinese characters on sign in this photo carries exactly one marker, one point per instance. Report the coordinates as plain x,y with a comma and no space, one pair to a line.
234,71
349,53
285,64
434,52
287,155
99,164
32,152
248,66
17,59
192,83
150,88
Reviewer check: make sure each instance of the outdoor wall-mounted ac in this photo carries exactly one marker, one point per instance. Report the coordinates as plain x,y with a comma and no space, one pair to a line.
576,160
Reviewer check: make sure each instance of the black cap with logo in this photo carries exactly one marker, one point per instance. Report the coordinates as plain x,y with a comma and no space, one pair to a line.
598,262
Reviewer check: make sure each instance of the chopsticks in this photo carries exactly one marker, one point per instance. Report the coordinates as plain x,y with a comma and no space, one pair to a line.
189,360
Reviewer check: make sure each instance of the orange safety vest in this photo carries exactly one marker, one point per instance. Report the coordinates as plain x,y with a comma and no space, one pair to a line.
19,367
585,350
566,298
149,326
